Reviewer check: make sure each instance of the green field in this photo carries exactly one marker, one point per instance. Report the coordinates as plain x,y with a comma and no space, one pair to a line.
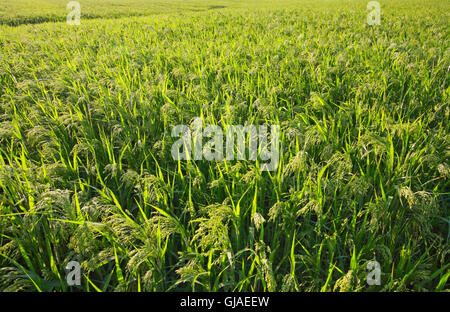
87,175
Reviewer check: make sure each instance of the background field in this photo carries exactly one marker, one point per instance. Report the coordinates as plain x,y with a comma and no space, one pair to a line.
14,12
86,172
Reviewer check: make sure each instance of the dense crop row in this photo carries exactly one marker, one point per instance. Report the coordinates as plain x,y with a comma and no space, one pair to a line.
86,171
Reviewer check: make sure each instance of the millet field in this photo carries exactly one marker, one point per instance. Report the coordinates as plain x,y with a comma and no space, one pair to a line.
87,174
